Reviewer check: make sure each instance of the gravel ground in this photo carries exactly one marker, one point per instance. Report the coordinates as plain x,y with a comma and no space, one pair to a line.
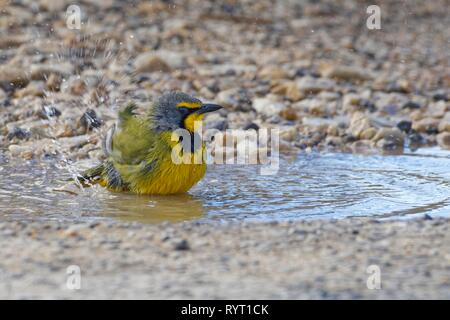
311,69
297,260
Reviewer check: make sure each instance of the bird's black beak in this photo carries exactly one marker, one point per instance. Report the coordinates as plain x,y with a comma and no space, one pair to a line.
208,107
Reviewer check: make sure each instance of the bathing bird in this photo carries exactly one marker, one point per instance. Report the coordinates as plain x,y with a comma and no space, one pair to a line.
140,148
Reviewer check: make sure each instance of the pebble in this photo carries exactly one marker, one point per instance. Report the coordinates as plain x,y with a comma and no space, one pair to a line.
289,114
345,73
181,245
426,125
18,133
405,126
443,140
150,62
267,106
34,88
49,112
310,85
391,141
89,120
44,71
13,75
411,105
358,124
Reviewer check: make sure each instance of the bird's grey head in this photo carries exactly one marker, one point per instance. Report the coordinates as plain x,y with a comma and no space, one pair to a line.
172,109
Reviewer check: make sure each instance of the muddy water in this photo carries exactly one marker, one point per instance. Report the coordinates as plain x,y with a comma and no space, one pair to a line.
307,186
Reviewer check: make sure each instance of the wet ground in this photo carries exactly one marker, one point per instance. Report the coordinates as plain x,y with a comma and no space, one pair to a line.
316,185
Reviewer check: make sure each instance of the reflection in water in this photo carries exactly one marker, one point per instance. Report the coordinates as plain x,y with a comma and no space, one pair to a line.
309,186
153,209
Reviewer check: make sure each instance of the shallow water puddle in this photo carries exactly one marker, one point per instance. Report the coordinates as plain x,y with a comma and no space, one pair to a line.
309,186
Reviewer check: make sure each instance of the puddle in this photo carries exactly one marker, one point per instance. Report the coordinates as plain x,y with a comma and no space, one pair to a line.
309,186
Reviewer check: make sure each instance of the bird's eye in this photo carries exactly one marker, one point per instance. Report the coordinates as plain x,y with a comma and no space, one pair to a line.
183,109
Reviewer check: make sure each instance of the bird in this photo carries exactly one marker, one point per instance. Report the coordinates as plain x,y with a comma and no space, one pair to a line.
138,148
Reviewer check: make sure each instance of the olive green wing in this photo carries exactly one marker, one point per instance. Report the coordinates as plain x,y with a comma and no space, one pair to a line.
131,140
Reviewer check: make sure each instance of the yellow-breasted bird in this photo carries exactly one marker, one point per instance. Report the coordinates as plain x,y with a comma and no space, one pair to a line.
139,148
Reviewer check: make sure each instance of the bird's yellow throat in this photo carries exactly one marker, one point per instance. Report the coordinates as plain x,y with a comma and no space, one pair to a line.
190,121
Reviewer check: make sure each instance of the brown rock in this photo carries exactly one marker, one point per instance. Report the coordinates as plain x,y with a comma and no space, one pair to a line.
54,82
443,140
310,85
150,62
368,133
293,93
289,114
159,61
386,133
43,71
358,123
272,73
345,73
332,130
390,141
427,125
444,125
34,88
13,75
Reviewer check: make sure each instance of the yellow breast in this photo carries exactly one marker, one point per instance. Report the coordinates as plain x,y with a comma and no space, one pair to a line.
171,178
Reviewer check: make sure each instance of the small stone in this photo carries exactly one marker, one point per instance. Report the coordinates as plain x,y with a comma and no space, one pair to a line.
235,98
20,151
54,82
310,85
43,71
444,125
272,73
345,73
12,76
34,88
77,87
405,126
367,105
358,123
251,126
393,134
215,121
441,97
90,120
18,133
411,105
391,141
333,130
443,140
437,109
49,112
368,133
289,114
426,125
182,245
150,62
267,107
289,134
416,140
290,90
